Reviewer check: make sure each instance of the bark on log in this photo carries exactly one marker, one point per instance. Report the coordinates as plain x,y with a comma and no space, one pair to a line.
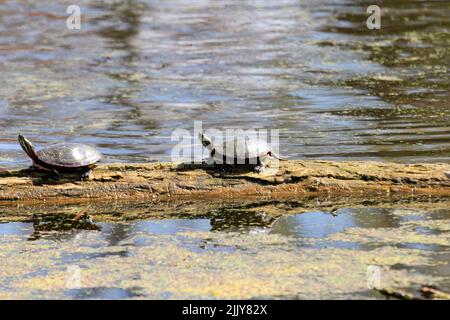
166,181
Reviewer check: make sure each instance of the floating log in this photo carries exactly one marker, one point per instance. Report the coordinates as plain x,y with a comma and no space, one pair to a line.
168,181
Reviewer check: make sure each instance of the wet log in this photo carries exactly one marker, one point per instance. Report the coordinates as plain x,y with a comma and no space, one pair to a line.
168,181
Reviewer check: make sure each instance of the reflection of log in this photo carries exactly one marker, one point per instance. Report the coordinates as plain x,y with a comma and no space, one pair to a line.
257,211
433,292
294,179
398,294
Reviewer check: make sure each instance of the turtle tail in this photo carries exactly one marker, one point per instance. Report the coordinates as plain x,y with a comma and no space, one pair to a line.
274,155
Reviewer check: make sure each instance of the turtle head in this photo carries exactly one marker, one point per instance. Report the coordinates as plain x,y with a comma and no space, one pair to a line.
27,146
206,141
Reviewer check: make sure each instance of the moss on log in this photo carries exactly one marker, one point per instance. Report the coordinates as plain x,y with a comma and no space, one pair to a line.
168,181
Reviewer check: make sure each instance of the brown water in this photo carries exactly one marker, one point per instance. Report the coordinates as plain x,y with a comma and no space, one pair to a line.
140,69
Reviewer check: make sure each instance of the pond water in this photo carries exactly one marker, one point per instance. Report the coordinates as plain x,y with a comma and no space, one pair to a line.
138,70
134,72
315,254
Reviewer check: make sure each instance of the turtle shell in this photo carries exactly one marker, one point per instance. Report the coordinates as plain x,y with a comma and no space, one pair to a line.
241,148
69,155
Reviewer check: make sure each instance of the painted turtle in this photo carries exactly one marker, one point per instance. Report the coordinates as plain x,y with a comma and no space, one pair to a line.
244,151
62,157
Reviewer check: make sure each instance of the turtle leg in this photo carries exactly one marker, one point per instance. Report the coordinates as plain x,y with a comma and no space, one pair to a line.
86,175
55,174
228,168
210,159
260,166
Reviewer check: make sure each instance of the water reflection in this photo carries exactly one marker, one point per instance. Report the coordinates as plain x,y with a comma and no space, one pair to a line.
241,220
220,231
313,224
103,293
60,227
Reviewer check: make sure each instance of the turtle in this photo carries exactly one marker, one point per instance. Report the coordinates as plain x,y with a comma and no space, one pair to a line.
62,157
245,151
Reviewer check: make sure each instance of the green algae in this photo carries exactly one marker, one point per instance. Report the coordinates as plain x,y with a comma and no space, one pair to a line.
406,233
201,264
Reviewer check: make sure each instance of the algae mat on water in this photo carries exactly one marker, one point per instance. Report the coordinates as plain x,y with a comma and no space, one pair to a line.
314,254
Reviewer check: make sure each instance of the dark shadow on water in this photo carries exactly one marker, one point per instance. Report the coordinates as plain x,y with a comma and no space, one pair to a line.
75,257
103,293
240,220
60,227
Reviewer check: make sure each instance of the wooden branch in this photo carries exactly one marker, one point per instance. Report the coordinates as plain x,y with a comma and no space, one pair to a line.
166,181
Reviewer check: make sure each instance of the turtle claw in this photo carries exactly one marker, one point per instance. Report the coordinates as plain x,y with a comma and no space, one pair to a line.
55,175
208,161
228,168
86,175
259,169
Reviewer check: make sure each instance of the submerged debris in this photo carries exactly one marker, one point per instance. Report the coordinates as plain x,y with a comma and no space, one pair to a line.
426,292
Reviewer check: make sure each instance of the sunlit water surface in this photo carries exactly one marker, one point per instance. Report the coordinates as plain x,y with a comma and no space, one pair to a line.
138,70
